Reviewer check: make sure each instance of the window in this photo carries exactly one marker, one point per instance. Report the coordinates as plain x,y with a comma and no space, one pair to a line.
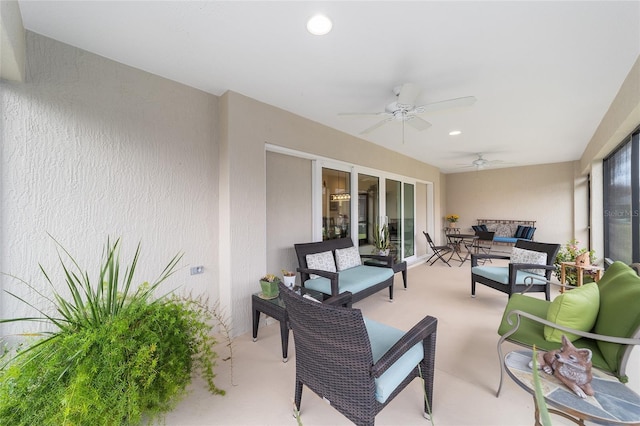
621,172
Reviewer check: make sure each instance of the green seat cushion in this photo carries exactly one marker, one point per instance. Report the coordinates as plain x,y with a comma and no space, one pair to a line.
577,308
531,333
619,313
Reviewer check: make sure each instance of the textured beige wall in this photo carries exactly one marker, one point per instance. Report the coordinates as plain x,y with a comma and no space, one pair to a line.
94,149
542,193
249,126
288,209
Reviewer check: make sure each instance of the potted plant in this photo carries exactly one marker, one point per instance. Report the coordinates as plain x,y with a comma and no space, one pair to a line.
571,252
452,219
289,278
381,240
112,354
269,286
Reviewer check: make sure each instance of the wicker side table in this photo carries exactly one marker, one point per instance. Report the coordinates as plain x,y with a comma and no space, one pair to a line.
275,309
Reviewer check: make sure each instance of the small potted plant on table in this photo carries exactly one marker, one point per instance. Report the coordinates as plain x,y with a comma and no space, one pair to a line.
269,286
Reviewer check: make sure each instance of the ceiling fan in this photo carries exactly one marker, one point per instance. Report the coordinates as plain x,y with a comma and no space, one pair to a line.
481,162
404,110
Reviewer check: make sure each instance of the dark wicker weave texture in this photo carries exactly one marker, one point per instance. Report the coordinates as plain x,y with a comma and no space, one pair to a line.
334,359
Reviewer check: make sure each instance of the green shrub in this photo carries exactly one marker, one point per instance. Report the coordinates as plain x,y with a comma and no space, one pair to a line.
114,358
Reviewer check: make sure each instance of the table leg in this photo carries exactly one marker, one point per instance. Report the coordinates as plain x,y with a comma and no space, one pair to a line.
579,273
284,337
256,320
563,277
404,277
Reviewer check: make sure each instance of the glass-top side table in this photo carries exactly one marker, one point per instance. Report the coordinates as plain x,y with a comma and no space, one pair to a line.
613,402
276,309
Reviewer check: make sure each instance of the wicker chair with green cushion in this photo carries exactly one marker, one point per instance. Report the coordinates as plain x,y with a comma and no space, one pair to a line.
603,317
356,364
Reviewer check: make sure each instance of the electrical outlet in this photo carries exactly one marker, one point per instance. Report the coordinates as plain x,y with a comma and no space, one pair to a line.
197,270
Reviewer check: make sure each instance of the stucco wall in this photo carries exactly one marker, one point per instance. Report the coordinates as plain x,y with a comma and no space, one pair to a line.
91,149
542,193
249,125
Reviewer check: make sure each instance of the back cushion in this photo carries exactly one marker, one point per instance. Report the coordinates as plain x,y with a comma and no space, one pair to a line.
529,232
619,313
576,308
322,261
521,232
519,255
347,258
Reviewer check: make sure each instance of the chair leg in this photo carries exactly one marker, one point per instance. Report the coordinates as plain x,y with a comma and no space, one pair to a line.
298,394
501,361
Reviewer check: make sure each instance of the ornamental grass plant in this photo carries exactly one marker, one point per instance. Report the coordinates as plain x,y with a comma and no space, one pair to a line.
117,355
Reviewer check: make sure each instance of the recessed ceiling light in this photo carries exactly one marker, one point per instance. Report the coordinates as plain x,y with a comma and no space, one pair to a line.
319,25
455,132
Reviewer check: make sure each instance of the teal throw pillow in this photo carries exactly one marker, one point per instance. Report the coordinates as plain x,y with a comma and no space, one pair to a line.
576,308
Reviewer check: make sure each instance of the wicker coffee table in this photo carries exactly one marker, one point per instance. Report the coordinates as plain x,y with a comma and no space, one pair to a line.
275,309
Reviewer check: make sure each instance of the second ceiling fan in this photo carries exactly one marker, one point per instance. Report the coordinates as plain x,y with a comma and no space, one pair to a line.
405,110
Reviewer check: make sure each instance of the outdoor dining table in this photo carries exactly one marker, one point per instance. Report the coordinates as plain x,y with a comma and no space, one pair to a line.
457,242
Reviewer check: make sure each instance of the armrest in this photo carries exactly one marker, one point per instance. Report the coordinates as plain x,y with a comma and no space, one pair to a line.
388,260
476,256
540,280
600,337
419,332
343,299
332,276
515,267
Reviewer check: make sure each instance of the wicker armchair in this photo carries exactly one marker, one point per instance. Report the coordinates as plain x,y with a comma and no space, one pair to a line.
358,365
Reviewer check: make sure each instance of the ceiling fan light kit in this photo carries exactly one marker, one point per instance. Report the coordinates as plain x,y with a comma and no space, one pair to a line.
404,109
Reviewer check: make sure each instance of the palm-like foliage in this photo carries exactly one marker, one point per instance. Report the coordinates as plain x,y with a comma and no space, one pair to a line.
116,352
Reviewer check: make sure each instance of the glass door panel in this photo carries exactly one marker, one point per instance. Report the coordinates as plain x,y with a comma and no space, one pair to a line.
336,204
409,221
394,213
368,210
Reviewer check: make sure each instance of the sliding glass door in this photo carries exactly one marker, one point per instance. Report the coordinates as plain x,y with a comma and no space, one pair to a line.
353,203
336,204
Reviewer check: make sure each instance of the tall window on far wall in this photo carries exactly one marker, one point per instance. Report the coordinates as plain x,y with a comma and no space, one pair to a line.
336,204
622,202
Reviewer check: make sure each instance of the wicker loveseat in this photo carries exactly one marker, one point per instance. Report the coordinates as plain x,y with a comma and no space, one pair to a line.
615,331
329,278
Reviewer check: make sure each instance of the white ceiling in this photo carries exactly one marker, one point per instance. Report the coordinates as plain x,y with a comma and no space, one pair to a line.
544,73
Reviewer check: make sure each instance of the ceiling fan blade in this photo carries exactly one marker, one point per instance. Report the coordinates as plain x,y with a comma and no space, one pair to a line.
361,114
450,103
408,94
375,126
418,123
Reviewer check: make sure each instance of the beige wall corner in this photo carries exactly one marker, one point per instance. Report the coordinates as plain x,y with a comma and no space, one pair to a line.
12,41
622,117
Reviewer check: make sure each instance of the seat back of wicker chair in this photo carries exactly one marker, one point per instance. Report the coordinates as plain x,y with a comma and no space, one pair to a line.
333,354
550,249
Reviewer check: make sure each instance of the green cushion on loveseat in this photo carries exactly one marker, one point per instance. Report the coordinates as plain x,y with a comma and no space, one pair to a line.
577,308
619,311
532,333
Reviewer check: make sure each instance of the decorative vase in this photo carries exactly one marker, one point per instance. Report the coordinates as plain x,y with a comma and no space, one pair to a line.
289,281
452,224
583,259
269,289
384,252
